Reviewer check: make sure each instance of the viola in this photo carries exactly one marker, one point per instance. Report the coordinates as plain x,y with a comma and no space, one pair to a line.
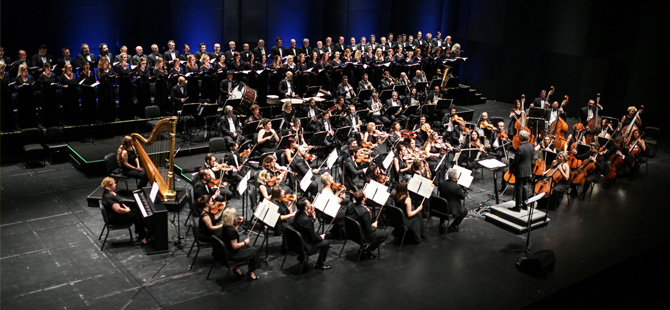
336,186
486,125
310,213
503,135
383,178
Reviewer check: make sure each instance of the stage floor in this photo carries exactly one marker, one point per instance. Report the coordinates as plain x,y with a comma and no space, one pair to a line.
607,255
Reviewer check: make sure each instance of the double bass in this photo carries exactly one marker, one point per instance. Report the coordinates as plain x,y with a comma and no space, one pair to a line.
520,124
594,122
629,129
559,128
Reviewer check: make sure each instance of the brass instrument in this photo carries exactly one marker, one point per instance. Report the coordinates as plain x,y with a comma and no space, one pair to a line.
158,158
445,76
375,107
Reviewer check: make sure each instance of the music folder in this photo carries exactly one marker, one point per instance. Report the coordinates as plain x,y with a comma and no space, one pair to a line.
376,192
327,203
420,185
267,212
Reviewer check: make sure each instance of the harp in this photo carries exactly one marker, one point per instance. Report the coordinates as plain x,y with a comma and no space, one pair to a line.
156,154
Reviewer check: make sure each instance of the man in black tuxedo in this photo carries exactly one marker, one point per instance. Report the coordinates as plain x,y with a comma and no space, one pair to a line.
453,194
340,46
226,87
3,58
278,49
354,174
202,51
328,48
211,166
104,52
589,111
300,166
305,226
287,87
171,54
214,56
373,42
245,54
260,50
522,168
394,101
362,214
553,113
292,49
306,49
23,60
179,94
200,187
139,54
229,125
86,56
541,102
230,53
232,158
66,59
345,90
155,54
41,58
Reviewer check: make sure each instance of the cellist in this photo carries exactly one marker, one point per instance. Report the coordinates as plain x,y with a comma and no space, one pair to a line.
636,147
559,188
601,169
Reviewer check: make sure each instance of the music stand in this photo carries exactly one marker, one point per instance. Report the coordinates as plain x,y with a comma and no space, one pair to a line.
208,111
283,141
536,123
452,82
411,110
434,83
444,104
536,112
493,165
421,86
365,94
392,111
428,109
276,123
400,89
583,148
312,91
603,141
342,133
235,103
250,128
188,112
318,138
385,95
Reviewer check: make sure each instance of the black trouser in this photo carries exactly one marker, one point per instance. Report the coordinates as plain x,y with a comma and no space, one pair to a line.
140,175
376,238
133,217
247,253
321,247
520,191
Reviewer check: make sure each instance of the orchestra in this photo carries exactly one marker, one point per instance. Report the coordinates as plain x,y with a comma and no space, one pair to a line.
296,138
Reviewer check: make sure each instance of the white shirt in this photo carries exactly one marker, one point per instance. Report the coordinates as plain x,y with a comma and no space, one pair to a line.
231,125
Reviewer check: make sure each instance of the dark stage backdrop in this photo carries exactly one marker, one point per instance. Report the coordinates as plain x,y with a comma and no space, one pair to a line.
581,47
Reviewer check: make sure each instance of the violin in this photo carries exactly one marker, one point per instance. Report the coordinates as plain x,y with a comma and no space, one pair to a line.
218,207
336,186
309,157
288,198
407,134
503,135
367,144
310,213
245,153
383,178
216,183
486,125
456,118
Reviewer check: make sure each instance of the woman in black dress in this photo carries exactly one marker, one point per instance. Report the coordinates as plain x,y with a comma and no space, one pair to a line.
412,213
192,78
88,93
68,81
208,74
143,88
48,83
267,137
118,212
210,217
127,158
175,72
125,76
106,77
27,107
161,96
238,251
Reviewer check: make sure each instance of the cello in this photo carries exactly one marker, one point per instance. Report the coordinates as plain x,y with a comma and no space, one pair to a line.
579,175
546,185
559,128
520,124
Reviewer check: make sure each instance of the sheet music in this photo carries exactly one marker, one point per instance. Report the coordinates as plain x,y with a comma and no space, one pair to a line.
139,202
242,187
491,163
465,181
420,186
306,180
388,160
332,157
327,204
267,212
376,192
414,183
154,192
535,198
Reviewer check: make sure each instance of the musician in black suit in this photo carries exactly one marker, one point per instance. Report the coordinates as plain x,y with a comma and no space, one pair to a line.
304,224
226,87
86,56
179,94
139,54
300,166
171,54
394,101
233,160
522,169
104,52
362,214
287,86
589,111
260,50
217,51
155,54
215,171
345,90
202,51
246,53
278,49
354,174
66,59
292,49
230,126
453,194
41,58
542,101
552,114
306,49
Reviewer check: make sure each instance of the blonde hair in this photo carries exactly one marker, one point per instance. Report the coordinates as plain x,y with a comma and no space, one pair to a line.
262,177
371,126
107,183
285,107
21,67
632,108
102,61
325,178
228,218
127,140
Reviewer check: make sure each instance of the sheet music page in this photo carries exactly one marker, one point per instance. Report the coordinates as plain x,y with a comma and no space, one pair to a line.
414,183
369,190
465,180
462,171
332,157
320,201
491,163
332,207
95,84
306,180
261,209
381,197
272,216
154,192
388,160
242,187
426,188
82,81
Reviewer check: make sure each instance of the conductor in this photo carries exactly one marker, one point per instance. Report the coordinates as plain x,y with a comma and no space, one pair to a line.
522,168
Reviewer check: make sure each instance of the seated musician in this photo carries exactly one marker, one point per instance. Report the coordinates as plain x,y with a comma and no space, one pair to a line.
304,224
628,118
118,212
485,128
232,159
372,135
394,101
615,150
227,86
267,137
547,145
412,211
375,106
386,82
414,98
312,111
589,111
558,188
210,218
364,83
287,86
460,134
419,130
285,203
434,148
578,136
453,194
263,187
601,169
362,214
216,172
238,251
287,114
476,150
295,128
206,185
450,121
605,130
127,158
354,170
500,143
230,127
636,147
553,113
395,135
255,114
351,119
435,95
345,90
300,164
402,164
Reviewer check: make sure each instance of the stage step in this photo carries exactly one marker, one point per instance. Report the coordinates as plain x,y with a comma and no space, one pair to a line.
516,221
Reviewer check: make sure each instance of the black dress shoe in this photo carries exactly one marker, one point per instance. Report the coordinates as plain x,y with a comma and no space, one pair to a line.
515,209
321,266
452,229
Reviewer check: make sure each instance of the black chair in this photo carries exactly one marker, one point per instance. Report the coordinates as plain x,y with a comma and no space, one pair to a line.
153,112
33,151
111,226
651,140
55,144
355,234
296,244
217,144
439,208
115,172
220,254
396,219
196,240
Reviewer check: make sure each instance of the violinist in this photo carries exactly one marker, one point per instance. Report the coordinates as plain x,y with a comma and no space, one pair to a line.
354,170
304,224
300,164
450,121
421,134
402,163
475,150
267,137
596,175
210,217
500,142
286,212
373,135
263,187
589,111
312,112
460,134
206,185
485,128
238,251
363,215
395,134
434,148
559,188
412,210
